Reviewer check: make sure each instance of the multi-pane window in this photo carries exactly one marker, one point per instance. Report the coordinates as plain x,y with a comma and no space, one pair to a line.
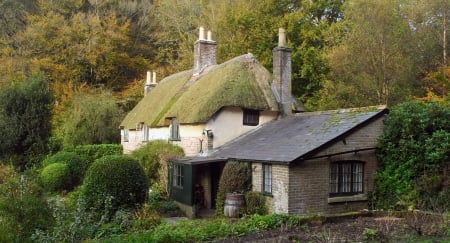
267,178
178,175
174,130
346,178
251,117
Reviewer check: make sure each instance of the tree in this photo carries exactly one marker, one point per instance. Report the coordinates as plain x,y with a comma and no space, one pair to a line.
374,56
25,121
93,119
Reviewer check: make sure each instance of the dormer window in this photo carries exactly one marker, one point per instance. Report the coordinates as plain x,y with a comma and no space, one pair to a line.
251,117
174,130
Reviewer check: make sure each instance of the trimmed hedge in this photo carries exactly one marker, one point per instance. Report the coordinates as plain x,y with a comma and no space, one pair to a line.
255,203
113,182
90,153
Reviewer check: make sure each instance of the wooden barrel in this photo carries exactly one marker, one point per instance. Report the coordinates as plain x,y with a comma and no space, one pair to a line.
233,203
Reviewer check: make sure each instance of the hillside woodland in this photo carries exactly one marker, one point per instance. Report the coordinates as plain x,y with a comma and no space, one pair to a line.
71,69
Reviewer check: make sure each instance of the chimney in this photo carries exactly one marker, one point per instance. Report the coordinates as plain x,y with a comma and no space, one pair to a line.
150,83
204,51
282,74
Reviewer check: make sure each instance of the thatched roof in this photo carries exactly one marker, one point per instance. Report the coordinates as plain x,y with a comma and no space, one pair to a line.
240,82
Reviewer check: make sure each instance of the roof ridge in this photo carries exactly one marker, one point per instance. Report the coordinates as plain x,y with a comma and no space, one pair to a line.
343,110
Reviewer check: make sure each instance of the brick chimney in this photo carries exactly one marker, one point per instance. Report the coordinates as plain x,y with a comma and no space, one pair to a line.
150,83
204,51
282,74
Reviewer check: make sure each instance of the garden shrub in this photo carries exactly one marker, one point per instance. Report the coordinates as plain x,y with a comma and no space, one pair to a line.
75,166
115,178
23,210
255,203
154,157
56,177
413,155
236,177
91,152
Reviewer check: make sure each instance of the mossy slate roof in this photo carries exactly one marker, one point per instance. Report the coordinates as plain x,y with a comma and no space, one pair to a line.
240,82
294,137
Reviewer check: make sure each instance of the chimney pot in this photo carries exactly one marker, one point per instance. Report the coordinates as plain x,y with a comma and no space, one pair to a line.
201,35
149,78
154,78
209,38
281,37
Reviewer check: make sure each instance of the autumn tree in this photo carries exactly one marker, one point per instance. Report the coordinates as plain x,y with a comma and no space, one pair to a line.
373,56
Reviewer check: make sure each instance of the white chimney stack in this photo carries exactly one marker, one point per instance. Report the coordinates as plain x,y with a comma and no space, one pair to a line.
204,52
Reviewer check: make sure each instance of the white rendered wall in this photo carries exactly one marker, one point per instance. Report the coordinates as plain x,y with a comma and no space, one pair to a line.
227,124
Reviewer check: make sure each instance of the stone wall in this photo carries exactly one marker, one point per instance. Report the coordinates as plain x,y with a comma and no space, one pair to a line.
303,188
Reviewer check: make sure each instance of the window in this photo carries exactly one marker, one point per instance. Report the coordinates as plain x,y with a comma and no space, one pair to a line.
346,178
174,130
178,175
267,178
251,117
146,134
126,135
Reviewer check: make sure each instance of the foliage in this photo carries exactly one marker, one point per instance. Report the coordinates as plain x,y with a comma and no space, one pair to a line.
93,120
56,177
117,178
91,152
414,155
207,229
145,218
236,177
22,207
73,223
75,166
154,157
25,114
255,203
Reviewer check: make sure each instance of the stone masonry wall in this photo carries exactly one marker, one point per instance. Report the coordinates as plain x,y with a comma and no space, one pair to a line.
309,180
278,201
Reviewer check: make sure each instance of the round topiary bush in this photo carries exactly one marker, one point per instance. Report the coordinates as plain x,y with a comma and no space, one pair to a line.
113,182
74,163
56,177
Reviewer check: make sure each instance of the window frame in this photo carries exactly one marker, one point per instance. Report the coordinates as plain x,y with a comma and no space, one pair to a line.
267,179
126,135
178,175
250,117
346,178
174,130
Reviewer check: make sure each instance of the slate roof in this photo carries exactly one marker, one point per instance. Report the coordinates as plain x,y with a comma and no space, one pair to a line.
240,82
293,137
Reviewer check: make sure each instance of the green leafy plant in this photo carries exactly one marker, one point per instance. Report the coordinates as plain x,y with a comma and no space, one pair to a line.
414,152
22,207
117,178
236,177
154,157
255,203
91,152
74,164
369,234
56,177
